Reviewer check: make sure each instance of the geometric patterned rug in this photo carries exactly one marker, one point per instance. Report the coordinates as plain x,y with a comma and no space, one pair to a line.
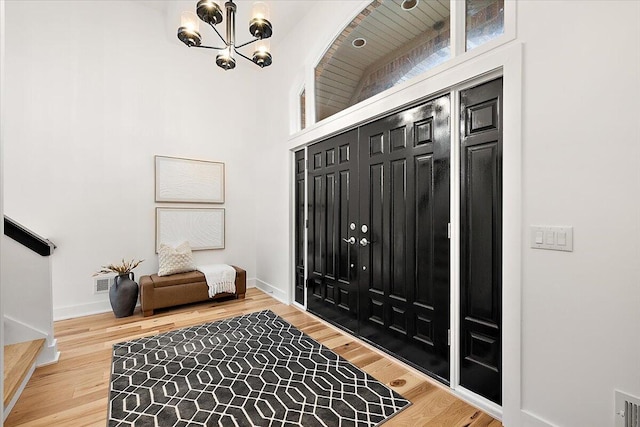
251,370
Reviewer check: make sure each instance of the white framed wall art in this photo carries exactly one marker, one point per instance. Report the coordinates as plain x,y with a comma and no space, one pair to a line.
188,181
203,228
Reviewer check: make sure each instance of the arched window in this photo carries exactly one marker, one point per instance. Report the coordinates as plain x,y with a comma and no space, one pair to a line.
392,41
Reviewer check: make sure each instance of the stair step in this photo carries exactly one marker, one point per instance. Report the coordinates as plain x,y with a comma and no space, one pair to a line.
18,360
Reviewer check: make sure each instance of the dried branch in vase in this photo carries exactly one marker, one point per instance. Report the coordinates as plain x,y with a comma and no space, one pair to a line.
125,267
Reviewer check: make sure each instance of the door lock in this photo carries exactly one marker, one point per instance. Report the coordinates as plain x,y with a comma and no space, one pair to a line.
351,240
364,242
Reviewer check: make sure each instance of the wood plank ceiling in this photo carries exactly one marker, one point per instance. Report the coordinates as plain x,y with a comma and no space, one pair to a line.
388,30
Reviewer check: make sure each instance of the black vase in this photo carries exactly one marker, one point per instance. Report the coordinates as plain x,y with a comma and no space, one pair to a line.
123,295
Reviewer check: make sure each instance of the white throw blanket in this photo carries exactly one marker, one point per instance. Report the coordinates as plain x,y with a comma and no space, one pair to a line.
220,278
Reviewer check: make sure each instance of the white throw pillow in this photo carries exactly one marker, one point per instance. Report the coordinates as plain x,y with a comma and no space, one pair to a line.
175,260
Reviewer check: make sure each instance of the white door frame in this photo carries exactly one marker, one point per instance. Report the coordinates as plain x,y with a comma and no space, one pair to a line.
505,60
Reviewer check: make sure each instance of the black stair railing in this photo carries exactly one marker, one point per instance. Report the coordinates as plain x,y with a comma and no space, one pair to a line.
27,238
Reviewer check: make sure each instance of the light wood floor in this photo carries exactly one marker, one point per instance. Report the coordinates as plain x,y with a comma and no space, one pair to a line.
18,360
74,391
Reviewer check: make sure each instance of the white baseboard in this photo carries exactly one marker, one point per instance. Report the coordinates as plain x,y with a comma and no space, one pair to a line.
531,420
479,402
272,291
71,311
49,353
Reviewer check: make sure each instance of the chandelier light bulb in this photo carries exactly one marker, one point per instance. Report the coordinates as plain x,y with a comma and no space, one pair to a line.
261,56
260,10
263,45
209,11
189,21
188,33
225,59
259,26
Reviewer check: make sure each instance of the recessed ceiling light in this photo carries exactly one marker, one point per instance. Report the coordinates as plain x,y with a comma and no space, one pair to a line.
409,4
359,42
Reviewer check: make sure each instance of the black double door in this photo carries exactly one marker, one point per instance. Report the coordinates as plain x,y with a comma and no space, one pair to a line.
378,253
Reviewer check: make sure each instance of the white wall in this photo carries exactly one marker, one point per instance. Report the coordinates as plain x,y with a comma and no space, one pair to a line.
581,150
308,39
581,146
96,90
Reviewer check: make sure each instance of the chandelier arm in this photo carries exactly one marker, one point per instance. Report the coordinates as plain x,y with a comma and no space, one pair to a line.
219,35
244,56
246,43
210,47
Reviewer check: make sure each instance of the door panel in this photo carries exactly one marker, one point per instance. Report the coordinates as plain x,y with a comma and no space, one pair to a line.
481,240
331,292
404,201
300,225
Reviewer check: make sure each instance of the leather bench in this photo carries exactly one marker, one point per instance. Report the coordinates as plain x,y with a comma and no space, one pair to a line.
182,288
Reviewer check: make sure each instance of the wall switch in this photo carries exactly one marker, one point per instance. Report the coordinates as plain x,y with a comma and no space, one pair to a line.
539,237
549,237
562,238
552,238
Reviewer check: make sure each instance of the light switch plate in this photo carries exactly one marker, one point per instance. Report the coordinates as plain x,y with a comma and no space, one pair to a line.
555,238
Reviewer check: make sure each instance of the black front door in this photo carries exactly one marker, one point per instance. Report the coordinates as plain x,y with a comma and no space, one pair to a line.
379,254
332,292
404,261
378,244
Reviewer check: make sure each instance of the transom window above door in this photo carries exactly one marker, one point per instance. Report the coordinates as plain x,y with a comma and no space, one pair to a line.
392,41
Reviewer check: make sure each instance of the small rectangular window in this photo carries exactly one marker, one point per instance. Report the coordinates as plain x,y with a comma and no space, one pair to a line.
303,110
484,21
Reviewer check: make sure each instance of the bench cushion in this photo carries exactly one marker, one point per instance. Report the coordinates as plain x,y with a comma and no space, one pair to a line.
177,279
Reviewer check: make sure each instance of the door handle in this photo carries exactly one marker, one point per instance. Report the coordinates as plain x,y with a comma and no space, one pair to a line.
364,242
351,240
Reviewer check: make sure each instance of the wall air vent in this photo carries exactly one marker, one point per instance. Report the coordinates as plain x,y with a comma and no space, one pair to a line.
101,284
627,410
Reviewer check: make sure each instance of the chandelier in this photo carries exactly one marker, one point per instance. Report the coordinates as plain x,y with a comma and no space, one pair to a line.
209,11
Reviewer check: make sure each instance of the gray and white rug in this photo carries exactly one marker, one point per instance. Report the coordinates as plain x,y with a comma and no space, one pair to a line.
251,370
